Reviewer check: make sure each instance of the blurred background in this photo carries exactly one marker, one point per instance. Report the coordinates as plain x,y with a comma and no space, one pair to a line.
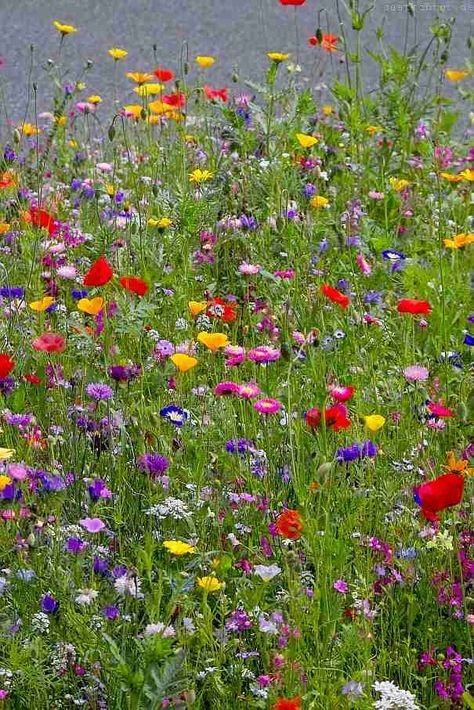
237,32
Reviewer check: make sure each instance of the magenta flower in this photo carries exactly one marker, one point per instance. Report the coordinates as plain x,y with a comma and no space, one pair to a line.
224,388
341,586
264,354
92,525
267,406
249,390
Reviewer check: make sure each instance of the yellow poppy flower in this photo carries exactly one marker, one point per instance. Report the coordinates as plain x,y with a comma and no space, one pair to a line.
28,129
133,111
160,222
467,174
4,481
454,466
398,184
460,240
318,201
60,120
64,29
198,176
209,584
117,53
183,362
139,77
327,110
149,89
94,99
196,307
4,227
176,547
161,108
91,306
450,178
305,140
213,341
278,56
456,74
205,61
374,422
42,305
6,453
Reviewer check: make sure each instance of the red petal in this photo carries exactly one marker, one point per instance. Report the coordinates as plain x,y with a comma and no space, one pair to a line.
99,274
135,285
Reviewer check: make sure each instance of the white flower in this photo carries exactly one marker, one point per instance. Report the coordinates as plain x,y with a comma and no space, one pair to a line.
393,697
441,541
86,596
266,572
159,628
128,585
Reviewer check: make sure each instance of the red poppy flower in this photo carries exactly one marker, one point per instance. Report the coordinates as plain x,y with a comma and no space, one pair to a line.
289,524
6,366
440,410
32,379
178,100
134,285
43,220
49,343
292,2
335,417
218,308
164,74
211,93
99,274
410,305
328,42
287,703
335,296
434,496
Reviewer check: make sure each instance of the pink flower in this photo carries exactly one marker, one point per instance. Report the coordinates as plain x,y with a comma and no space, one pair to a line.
264,353
67,272
235,355
249,269
364,266
416,373
49,343
340,586
267,406
341,394
226,388
376,195
249,390
286,274
92,525
439,410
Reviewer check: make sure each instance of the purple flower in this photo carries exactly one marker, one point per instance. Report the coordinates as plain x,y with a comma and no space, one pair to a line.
49,604
153,463
99,392
111,613
92,525
341,586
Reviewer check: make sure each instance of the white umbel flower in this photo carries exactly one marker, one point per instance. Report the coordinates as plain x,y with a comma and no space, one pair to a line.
393,697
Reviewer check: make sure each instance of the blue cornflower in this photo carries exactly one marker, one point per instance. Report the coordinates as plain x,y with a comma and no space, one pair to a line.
12,292
175,415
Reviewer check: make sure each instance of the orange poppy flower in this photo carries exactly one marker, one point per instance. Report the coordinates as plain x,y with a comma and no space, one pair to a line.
289,524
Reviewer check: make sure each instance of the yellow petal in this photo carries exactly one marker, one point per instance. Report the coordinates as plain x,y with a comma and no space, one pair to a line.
6,453
196,307
213,341
42,305
183,362
92,306
305,140
374,422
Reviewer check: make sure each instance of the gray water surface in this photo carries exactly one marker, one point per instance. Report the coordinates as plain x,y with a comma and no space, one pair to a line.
237,32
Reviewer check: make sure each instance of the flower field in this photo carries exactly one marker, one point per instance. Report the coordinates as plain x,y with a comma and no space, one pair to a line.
236,393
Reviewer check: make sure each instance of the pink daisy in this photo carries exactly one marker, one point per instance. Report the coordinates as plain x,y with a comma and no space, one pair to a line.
249,390
267,406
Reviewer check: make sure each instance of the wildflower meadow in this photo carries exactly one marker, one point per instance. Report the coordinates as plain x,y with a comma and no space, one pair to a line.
236,392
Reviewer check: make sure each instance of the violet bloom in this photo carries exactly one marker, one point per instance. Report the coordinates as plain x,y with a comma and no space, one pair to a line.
99,392
49,604
341,586
153,463
92,525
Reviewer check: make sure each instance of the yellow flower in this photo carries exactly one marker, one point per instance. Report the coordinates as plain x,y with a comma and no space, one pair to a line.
327,110
42,305
277,56
60,120
28,129
319,201
205,61
461,466
372,130
456,74
160,222
133,110
213,341
467,174
80,86
139,77
73,144
460,240
161,108
4,227
398,184
198,176
451,178
374,422
149,89
117,53
176,547
64,29
196,307
305,140
183,362
4,481
6,453
91,306
209,584
94,99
